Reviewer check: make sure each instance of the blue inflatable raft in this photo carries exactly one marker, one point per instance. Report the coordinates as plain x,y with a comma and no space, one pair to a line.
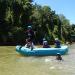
42,51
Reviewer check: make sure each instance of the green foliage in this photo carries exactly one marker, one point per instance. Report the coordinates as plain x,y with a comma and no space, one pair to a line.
16,15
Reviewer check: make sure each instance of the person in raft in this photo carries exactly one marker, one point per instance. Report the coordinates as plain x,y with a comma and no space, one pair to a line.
57,43
45,44
29,44
58,56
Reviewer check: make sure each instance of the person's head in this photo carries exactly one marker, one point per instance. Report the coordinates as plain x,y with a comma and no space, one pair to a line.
56,39
29,27
26,40
58,57
29,42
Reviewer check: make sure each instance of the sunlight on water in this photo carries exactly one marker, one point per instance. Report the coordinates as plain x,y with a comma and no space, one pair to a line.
48,60
12,63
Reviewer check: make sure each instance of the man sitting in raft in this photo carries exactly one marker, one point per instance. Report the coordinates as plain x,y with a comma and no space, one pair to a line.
29,44
45,44
57,43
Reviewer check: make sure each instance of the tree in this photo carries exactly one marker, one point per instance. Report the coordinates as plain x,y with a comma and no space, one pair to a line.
66,28
3,23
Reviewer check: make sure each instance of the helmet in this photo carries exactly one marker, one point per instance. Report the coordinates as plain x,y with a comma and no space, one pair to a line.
58,54
29,27
56,38
44,39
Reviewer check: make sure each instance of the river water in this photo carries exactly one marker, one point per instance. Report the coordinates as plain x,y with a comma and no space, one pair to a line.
12,63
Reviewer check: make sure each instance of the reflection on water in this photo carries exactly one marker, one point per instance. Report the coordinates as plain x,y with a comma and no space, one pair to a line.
12,63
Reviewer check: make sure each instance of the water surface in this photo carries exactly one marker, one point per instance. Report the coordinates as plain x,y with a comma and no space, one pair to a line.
12,63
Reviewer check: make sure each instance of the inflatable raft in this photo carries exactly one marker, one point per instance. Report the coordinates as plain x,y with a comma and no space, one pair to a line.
41,51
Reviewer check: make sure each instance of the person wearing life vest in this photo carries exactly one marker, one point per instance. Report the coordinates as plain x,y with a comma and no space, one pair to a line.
57,43
45,44
29,44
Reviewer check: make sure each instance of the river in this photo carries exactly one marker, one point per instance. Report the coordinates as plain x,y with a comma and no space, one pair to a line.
12,63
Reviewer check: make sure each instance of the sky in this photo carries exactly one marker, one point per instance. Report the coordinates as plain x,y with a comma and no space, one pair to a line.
65,7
